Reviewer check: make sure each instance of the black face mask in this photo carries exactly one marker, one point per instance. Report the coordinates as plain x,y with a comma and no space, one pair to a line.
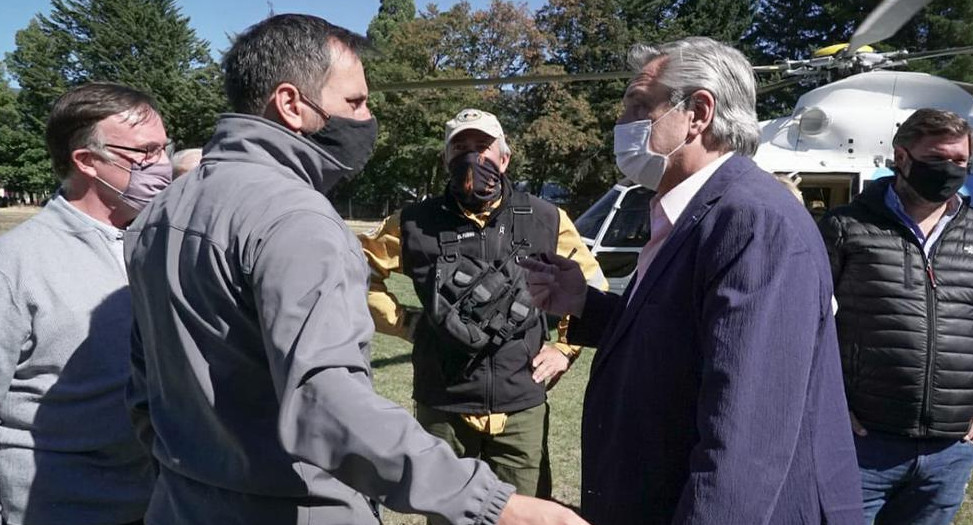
474,181
351,142
935,181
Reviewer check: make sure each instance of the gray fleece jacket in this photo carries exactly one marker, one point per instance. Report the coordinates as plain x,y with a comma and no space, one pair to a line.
251,379
68,453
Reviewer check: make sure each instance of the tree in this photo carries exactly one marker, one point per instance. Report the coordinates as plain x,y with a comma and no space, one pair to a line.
146,44
391,14
595,35
560,135
458,42
24,166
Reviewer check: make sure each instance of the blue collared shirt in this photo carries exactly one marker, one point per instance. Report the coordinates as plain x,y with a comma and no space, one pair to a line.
894,203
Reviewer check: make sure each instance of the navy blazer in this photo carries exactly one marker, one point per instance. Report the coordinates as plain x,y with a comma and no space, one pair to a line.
716,395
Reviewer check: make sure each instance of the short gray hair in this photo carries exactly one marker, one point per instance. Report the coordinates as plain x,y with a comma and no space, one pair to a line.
696,63
501,145
181,158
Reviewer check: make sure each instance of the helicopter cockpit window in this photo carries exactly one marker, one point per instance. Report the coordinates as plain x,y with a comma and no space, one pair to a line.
630,226
589,223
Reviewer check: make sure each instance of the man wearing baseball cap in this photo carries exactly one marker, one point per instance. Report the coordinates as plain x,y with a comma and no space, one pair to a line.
479,354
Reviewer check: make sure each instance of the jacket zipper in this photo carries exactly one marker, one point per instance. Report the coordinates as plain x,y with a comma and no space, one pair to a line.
932,321
907,247
490,371
930,344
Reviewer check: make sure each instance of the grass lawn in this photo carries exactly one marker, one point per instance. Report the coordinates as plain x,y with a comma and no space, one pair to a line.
10,217
393,379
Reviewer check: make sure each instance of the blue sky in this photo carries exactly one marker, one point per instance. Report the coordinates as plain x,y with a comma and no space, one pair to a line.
213,19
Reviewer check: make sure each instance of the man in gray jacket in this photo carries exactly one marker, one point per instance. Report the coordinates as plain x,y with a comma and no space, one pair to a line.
68,453
251,381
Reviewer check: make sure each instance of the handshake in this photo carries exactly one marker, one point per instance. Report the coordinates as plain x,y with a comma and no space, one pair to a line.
556,284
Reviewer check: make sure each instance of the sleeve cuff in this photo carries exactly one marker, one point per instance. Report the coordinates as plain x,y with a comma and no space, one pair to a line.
495,502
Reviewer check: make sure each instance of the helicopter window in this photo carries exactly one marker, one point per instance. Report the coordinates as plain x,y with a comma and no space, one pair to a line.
589,223
630,225
617,264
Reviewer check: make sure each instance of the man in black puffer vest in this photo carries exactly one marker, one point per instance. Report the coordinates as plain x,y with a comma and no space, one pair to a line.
479,354
902,260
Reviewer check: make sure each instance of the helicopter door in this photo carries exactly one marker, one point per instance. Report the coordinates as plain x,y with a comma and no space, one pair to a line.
825,191
625,232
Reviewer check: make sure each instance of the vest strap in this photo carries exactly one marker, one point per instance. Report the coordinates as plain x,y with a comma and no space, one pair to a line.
523,214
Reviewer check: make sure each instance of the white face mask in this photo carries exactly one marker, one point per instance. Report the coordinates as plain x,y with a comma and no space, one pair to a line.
635,158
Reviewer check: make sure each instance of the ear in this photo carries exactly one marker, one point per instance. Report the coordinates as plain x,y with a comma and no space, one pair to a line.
702,104
901,157
285,107
504,162
83,162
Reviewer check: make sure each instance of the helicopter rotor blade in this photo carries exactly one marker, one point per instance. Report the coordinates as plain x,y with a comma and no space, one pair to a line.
774,68
774,86
883,22
496,81
905,55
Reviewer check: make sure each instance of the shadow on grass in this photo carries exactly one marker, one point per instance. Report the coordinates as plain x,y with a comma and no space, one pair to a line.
391,360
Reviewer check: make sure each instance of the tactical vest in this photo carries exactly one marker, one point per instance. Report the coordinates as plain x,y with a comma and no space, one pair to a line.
474,344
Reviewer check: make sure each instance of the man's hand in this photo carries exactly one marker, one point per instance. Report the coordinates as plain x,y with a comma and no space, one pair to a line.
969,433
557,286
523,510
860,431
550,363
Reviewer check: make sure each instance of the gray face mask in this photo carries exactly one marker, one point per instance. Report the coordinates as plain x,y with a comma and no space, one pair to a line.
144,184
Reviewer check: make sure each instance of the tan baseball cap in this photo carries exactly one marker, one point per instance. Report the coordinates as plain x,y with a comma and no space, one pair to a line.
473,119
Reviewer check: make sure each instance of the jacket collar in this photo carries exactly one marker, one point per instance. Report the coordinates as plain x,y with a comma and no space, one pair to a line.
253,139
698,207
872,198
63,216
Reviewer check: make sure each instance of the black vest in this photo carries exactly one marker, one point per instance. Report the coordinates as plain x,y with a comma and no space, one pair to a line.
448,376
905,323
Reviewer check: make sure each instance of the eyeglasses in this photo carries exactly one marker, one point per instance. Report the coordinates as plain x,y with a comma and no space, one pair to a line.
149,155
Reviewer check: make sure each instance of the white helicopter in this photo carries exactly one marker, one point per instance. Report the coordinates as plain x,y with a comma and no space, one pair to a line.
837,140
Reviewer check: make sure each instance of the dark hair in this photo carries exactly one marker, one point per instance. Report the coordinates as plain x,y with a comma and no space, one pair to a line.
76,114
283,48
927,121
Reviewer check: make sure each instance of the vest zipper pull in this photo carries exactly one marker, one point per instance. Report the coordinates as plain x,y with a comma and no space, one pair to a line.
435,294
931,274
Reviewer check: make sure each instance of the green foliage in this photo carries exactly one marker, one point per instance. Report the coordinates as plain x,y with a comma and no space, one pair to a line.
391,14
24,166
147,44
558,132
459,42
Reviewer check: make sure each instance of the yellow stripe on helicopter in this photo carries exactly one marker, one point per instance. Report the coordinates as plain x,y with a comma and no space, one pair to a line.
837,48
